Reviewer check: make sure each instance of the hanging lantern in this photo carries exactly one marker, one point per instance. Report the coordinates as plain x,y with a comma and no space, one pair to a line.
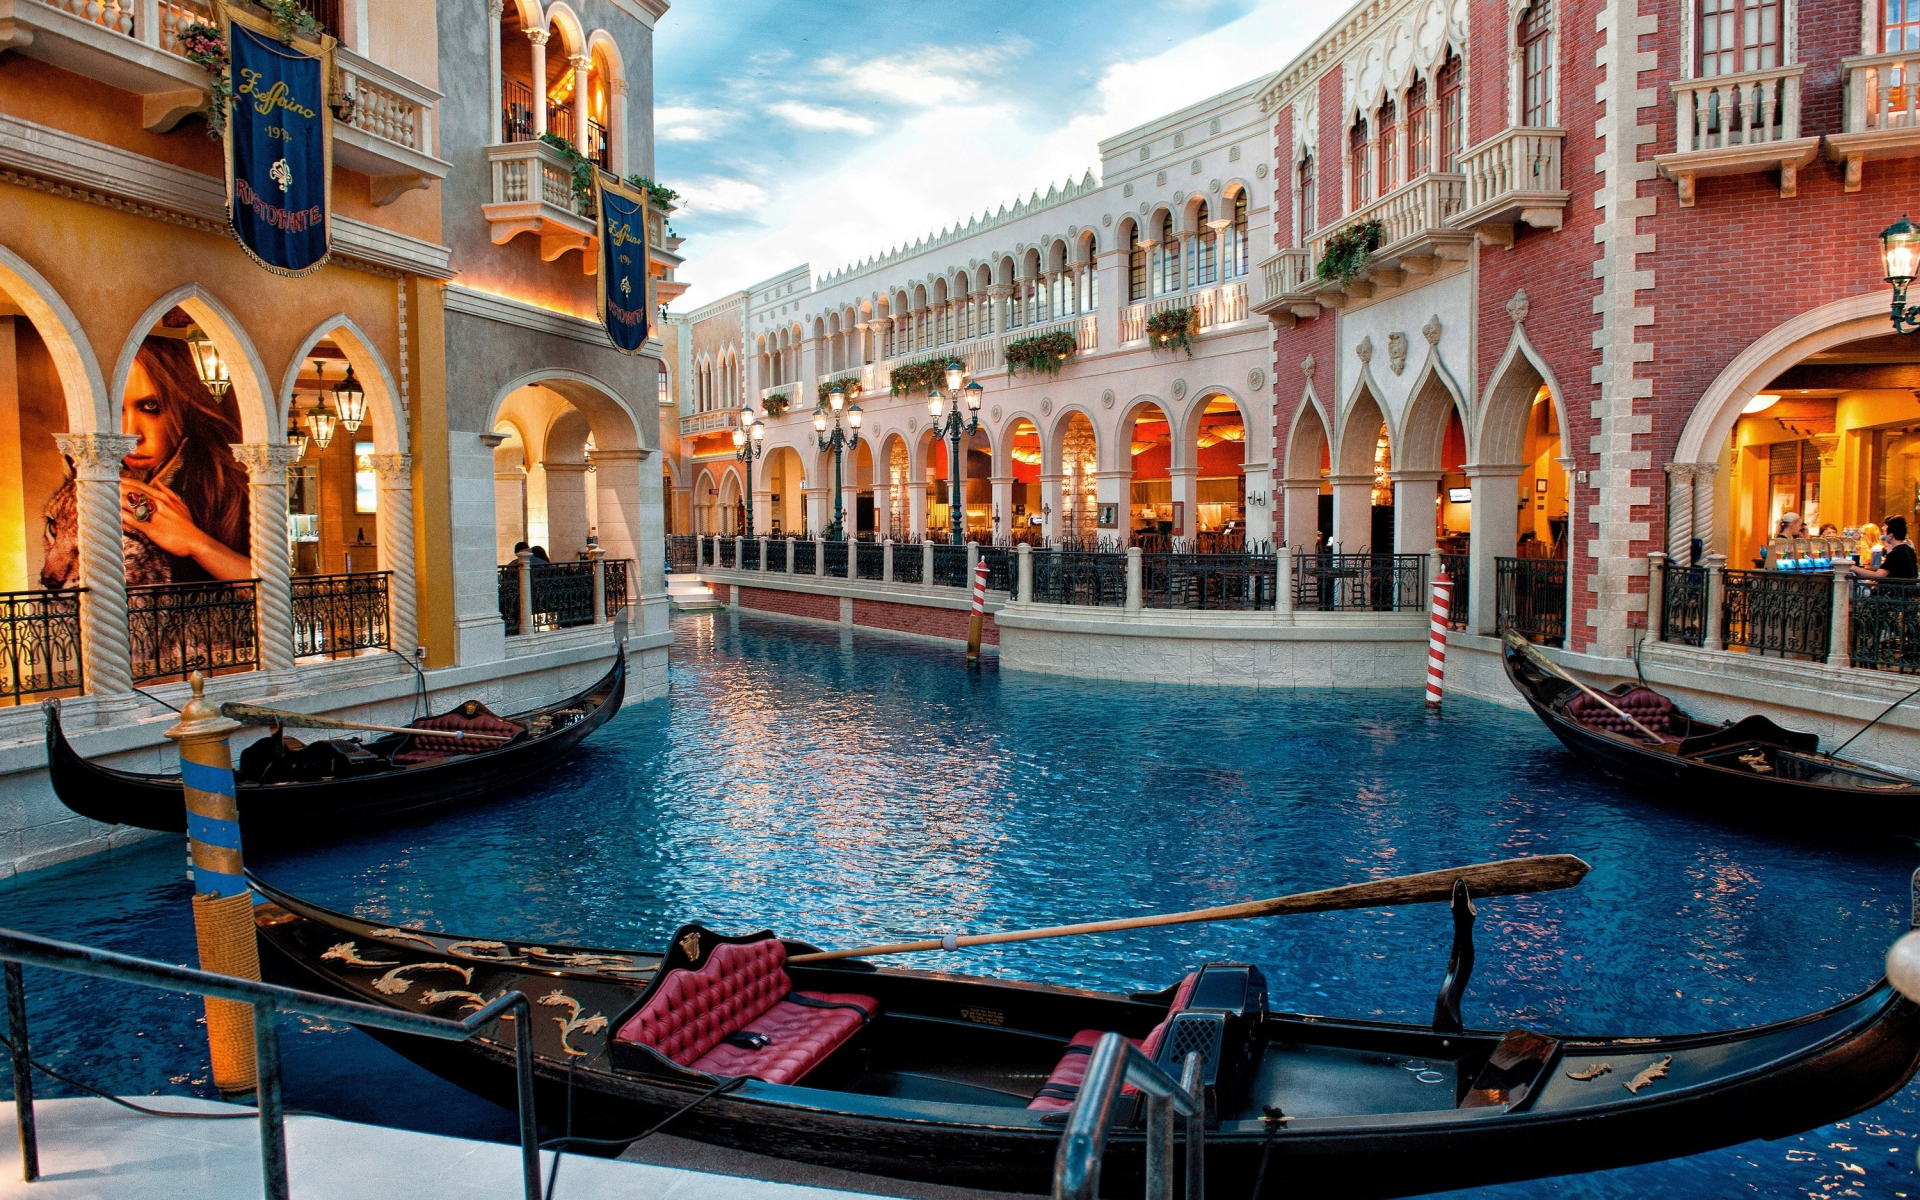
351,399
298,441
320,424
211,367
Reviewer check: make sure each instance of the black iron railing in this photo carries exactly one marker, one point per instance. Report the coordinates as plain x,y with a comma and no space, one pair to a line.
724,550
598,147
909,562
750,554
268,1001
176,629
1209,581
1531,598
340,615
870,561
1000,568
777,554
1097,578
1777,612
516,111
950,565
682,551
562,594
804,553
1459,569
1884,631
39,643
617,594
1683,605
1359,582
836,553
507,579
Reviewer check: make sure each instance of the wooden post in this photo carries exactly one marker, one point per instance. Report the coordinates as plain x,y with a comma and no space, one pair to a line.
1839,651
1716,599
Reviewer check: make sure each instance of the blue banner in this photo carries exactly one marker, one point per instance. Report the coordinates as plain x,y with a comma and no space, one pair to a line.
279,148
624,306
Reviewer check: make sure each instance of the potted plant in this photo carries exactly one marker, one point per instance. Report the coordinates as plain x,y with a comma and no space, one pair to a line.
1350,251
203,46
910,378
848,385
1173,329
776,404
1046,352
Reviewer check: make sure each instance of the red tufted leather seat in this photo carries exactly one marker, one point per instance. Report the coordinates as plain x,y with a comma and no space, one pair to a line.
432,749
1648,707
746,987
1058,1093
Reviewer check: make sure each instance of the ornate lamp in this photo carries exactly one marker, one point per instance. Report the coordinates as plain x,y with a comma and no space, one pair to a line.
974,392
321,422
759,431
853,415
956,375
836,399
739,438
936,404
819,422
297,440
351,399
208,363
1900,254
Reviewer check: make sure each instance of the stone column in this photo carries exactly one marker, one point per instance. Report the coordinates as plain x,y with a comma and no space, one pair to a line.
1134,584
1716,565
582,66
598,558
1838,649
882,504
539,39
107,652
524,561
762,566
1185,491
1703,476
1283,582
1300,523
1002,505
819,557
1000,293
394,523
886,560
496,134
1115,488
1353,515
926,564
916,512
1413,510
266,465
1495,525
1260,524
631,527
1023,576
1050,504
566,508
1656,593
1680,512
819,509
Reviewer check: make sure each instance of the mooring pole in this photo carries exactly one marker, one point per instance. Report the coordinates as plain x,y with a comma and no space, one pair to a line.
979,616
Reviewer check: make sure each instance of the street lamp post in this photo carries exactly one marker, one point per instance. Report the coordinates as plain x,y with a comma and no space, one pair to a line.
839,441
749,443
947,422
1900,253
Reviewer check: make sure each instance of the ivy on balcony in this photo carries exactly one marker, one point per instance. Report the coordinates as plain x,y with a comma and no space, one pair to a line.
908,378
1046,352
1350,251
663,197
776,404
581,166
849,386
1173,329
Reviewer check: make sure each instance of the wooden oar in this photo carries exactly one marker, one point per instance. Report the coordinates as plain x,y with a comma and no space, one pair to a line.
1508,877
1546,664
254,714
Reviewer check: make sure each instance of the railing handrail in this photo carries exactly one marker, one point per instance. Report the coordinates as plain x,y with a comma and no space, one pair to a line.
267,999
1116,1062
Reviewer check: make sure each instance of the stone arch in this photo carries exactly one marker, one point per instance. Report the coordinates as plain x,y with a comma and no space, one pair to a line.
1359,433
1120,459
90,407
1423,427
607,411
561,16
1308,441
1190,423
259,414
1499,434
370,368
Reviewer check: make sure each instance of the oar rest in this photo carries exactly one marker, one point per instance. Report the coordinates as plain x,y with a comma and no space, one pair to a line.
471,717
726,1006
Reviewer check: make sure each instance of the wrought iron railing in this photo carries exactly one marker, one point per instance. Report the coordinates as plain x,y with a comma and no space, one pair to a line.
682,552
39,643
1359,582
724,551
507,580
777,554
950,565
1000,568
562,594
1683,605
617,593
803,556
1095,578
1777,612
1459,569
516,110
836,553
870,561
909,562
1530,598
1884,630
340,615
750,554
1209,581
176,629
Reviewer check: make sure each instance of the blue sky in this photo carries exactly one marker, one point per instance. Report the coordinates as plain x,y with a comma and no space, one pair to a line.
827,131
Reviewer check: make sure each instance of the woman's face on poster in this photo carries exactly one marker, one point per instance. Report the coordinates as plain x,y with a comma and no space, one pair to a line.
152,418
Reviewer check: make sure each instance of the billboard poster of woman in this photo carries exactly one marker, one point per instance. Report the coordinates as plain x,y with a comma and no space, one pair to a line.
183,497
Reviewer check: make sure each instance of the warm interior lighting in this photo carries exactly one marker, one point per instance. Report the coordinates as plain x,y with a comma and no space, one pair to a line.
956,376
853,416
321,423
351,399
819,422
1900,251
1022,454
1759,404
936,405
211,367
836,399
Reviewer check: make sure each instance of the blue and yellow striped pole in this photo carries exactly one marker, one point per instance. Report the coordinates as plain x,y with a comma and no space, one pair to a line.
222,904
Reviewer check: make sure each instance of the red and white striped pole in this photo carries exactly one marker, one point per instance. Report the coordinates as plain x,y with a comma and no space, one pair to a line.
1437,638
979,617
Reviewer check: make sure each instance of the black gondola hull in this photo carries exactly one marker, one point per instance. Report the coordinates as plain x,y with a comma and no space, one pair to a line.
282,813
1785,1078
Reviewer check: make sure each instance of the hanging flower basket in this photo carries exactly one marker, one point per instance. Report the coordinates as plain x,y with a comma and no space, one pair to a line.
776,404
849,386
910,378
1350,251
1173,329
1046,353
203,46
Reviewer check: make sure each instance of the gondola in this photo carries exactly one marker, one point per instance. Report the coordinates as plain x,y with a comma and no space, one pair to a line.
289,791
1747,769
922,1075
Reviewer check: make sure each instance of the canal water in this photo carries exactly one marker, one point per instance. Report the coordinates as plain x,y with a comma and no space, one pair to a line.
846,788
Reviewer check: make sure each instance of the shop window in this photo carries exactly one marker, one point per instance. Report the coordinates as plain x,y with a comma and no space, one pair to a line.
1744,35
1793,483
1536,63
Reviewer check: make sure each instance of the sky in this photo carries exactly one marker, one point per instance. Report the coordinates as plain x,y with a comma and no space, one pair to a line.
827,131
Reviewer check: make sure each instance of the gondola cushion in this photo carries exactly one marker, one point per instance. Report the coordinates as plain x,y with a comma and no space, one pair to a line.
745,986
1063,1086
430,749
1648,707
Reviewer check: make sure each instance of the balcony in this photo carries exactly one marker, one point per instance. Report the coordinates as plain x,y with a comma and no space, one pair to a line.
1419,237
1878,118
1213,308
389,137
1287,287
719,420
1740,124
1513,179
131,45
533,193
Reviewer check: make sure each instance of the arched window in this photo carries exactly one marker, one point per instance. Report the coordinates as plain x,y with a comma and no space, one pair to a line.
666,386
1536,64
1238,232
1388,139
1744,35
1308,199
1086,282
1206,248
1167,279
1136,266
1419,135
1360,164
1453,112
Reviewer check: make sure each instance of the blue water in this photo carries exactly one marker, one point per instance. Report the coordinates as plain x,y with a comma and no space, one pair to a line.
851,788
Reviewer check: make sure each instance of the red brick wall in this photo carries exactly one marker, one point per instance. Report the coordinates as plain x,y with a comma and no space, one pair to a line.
1330,170
1487,69
1283,214
796,604
948,623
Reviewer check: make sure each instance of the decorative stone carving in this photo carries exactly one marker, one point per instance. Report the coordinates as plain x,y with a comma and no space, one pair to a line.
1518,307
1307,367
1046,405
1143,208
996,413
913,423
1233,154
266,464
1365,349
1397,352
1260,171
1179,389
1107,220
1256,380
1106,398
1214,187
1431,330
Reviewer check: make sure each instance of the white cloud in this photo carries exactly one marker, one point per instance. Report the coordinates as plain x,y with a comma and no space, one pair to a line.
926,75
821,118
713,195
687,123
